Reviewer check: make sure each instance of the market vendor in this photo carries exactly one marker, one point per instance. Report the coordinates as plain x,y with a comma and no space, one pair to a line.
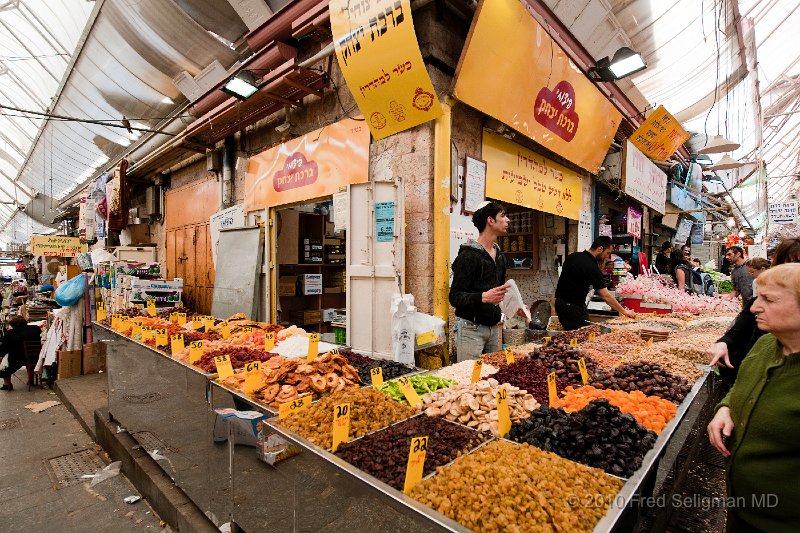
581,271
755,426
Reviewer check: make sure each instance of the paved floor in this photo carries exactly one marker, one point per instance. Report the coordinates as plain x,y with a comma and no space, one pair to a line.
33,496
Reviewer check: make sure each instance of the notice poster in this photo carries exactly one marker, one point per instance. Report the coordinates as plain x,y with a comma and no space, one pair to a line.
783,213
585,230
384,221
634,222
340,211
233,217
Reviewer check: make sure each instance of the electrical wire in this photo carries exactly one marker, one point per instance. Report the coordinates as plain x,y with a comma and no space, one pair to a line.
102,122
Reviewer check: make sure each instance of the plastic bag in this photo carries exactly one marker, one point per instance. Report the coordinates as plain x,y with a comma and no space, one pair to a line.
69,292
513,301
106,473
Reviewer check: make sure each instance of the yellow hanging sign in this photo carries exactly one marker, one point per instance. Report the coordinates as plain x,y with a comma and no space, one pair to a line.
659,136
379,56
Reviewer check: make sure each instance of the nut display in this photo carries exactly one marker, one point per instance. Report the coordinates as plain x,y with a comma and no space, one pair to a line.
618,342
602,360
650,411
508,487
476,405
497,359
370,411
362,363
671,363
384,454
461,372
581,334
690,346
529,375
648,378
599,435
564,362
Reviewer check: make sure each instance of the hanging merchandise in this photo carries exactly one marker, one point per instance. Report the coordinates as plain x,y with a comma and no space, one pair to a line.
117,197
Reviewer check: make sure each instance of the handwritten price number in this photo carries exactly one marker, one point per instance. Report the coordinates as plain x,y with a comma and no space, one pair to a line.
225,329
376,375
161,337
223,364
503,417
335,351
247,330
342,410
269,341
293,406
173,317
196,345
419,444
341,424
573,342
253,366
313,346
181,318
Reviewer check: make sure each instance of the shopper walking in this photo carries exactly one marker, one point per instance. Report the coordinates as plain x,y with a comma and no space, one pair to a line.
12,345
740,277
581,271
756,426
478,286
662,258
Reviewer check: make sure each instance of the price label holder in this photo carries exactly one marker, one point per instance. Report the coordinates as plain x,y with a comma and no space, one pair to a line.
197,323
504,418
173,317
476,370
147,333
509,355
376,374
161,337
181,318
101,311
546,340
341,424
426,338
551,389
416,463
252,376
208,322
177,345
269,341
294,406
313,346
408,391
573,342
195,351
584,373
151,307
224,368
225,329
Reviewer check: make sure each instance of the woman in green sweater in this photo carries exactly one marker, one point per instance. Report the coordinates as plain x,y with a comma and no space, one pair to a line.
757,425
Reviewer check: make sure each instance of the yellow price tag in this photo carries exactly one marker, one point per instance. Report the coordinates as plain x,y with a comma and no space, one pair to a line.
294,406
147,333
225,329
224,368
247,330
195,351
650,341
547,340
197,323
252,376
376,374
173,317
584,373
341,424
592,336
416,463
409,392
124,320
181,318
551,389
151,307
509,355
573,342
101,311
161,337
177,345
504,418
269,341
208,322
313,346
136,329
476,370
426,338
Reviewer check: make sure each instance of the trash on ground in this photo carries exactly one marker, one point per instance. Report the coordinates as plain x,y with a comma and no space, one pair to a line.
41,406
132,499
106,473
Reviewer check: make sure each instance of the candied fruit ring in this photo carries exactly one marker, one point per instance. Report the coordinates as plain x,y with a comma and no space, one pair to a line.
318,383
331,380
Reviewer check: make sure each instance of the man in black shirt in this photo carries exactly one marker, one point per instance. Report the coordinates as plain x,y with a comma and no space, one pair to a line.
581,271
662,258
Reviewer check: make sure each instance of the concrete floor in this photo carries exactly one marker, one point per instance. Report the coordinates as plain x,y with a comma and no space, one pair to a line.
32,497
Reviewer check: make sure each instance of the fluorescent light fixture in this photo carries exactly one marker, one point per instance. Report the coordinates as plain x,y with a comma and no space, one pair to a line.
242,85
624,63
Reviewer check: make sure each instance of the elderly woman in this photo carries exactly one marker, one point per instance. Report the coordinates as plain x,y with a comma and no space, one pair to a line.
757,425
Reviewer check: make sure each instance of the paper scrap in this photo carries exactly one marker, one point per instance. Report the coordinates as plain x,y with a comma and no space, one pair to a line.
42,406
132,499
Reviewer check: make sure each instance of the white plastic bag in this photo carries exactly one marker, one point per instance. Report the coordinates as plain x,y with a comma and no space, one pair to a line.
106,473
513,301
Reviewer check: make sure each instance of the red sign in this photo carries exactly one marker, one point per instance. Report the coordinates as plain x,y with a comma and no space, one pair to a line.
555,110
297,172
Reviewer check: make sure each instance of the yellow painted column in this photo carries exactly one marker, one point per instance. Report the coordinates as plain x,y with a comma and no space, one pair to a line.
441,211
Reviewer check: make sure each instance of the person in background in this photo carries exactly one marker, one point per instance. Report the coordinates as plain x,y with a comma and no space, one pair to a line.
740,277
756,266
755,426
13,345
662,258
479,285
687,251
730,349
581,271
680,270
696,264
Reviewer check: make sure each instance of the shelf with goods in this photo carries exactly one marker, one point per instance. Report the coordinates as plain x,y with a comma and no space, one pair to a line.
521,245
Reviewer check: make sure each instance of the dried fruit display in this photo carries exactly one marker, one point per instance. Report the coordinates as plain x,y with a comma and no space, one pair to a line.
384,454
497,359
475,405
370,411
239,357
423,384
649,379
599,435
563,361
671,363
461,372
362,363
581,334
690,346
651,412
509,487
529,375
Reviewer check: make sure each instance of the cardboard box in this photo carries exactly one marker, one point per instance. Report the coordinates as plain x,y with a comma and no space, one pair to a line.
328,314
94,357
311,283
287,285
69,363
312,317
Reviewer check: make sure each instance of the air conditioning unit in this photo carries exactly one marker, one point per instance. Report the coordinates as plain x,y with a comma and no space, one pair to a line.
152,202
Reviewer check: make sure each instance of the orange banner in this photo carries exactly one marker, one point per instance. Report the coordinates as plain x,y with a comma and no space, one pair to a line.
660,135
380,59
314,165
513,71
520,176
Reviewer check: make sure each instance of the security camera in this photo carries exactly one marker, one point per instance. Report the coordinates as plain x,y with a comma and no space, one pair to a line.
283,127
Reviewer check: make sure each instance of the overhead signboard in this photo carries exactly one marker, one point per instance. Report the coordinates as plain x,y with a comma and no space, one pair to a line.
783,212
643,180
660,135
520,176
51,246
380,59
544,95
314,165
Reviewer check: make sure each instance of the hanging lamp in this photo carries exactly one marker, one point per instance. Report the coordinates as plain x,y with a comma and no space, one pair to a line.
718,145
726,163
